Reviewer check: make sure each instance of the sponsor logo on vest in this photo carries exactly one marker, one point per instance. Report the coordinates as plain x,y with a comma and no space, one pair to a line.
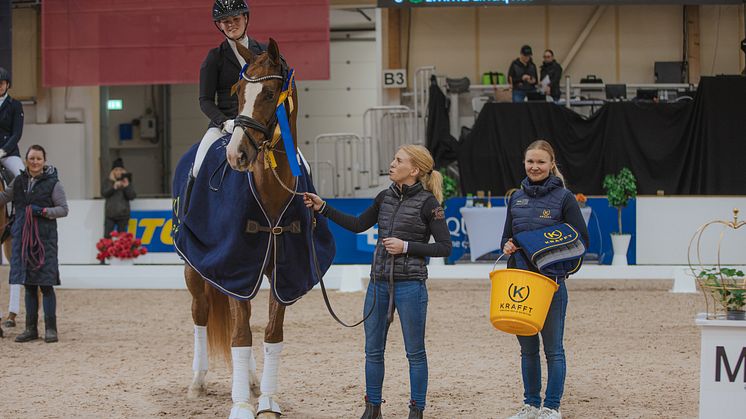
546,214
521,202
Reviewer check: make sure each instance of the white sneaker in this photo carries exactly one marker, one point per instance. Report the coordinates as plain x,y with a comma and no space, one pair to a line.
526,412
547,413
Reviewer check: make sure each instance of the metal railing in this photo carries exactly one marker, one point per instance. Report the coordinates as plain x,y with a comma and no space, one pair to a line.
385,129
421,98
321,181
346,167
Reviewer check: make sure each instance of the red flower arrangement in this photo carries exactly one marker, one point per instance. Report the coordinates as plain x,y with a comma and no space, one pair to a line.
582,199
120,245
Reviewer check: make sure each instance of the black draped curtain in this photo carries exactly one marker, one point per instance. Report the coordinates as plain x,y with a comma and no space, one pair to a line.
685,148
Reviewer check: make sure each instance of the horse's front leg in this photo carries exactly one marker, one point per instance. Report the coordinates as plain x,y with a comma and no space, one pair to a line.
244,364
268,406
200,310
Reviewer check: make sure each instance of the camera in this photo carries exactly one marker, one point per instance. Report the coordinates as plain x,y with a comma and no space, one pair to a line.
127,176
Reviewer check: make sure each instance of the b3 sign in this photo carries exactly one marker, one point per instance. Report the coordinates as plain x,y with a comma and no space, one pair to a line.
395,79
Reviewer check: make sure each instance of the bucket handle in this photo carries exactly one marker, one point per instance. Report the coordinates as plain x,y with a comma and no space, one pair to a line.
498,260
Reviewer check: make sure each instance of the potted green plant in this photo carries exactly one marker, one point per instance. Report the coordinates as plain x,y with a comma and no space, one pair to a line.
620,188
727,286
450,187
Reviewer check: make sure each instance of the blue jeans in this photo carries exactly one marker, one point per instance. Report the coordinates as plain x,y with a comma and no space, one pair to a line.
551,335
410,301
519,95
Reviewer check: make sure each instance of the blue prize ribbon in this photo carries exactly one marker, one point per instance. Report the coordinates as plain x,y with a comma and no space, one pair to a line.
287,139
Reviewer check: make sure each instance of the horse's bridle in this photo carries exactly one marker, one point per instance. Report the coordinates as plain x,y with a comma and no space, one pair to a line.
247,122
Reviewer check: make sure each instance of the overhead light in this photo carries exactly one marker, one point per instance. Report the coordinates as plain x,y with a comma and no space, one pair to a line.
114,104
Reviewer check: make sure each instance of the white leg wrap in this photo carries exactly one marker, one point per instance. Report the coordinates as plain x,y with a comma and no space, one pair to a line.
271,365
242,410
243,364
15,298
200,361
267,403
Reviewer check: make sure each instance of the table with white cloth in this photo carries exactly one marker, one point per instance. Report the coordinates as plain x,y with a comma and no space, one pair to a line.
485,226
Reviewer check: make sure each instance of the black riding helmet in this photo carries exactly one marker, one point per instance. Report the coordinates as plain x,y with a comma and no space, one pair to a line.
227,8
5,75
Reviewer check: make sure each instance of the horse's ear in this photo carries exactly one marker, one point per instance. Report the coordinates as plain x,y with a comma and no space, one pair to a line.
245,53
235,87
273,50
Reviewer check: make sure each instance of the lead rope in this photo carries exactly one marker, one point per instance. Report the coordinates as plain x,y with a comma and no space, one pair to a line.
323,287
32,249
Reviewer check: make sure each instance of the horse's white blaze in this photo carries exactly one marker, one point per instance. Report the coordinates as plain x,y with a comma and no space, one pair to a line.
251,92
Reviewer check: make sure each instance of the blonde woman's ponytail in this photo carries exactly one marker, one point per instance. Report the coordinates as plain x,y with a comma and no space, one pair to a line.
434,183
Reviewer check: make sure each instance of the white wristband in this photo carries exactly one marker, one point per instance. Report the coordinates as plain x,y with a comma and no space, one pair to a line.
406,247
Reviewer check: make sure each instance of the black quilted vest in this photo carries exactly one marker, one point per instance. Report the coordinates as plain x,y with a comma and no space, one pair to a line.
41,195
400,216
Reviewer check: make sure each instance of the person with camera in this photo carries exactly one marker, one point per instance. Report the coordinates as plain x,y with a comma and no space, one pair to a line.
38,200
118,192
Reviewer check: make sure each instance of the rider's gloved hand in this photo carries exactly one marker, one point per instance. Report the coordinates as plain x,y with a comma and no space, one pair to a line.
37,211
228,126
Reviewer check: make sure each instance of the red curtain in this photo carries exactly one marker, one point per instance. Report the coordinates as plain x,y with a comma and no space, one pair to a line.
97,42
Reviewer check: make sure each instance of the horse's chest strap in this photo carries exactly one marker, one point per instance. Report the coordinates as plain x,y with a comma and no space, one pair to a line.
253,227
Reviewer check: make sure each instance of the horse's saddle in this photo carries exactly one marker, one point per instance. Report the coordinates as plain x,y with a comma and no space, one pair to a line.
222,231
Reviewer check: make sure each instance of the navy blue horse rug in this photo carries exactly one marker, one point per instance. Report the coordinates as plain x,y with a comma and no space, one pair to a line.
222,231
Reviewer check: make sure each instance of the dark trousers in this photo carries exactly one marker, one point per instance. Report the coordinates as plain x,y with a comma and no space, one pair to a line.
32,302
110,223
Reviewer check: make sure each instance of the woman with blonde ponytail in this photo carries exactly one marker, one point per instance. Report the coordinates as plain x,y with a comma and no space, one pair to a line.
407,213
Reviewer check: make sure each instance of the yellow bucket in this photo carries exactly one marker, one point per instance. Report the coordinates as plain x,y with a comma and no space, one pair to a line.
520,301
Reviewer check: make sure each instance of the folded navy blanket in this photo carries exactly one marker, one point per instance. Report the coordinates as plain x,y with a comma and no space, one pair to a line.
556,251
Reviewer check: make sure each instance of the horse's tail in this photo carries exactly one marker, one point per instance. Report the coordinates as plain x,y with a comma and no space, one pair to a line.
219,324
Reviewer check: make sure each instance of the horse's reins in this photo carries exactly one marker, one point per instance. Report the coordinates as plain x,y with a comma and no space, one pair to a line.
267,147
32,248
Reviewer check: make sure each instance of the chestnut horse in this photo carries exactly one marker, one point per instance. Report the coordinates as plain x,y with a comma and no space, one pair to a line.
227,319
4,220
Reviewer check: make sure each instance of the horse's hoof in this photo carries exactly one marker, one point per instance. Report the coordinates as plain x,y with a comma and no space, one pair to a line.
268,415
197,388
196,392
242,410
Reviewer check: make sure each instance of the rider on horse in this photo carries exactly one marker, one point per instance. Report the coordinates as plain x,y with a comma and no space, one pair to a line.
221,69
11,128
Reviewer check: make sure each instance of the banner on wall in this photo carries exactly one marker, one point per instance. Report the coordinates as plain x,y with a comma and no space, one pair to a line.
91,42
153,227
